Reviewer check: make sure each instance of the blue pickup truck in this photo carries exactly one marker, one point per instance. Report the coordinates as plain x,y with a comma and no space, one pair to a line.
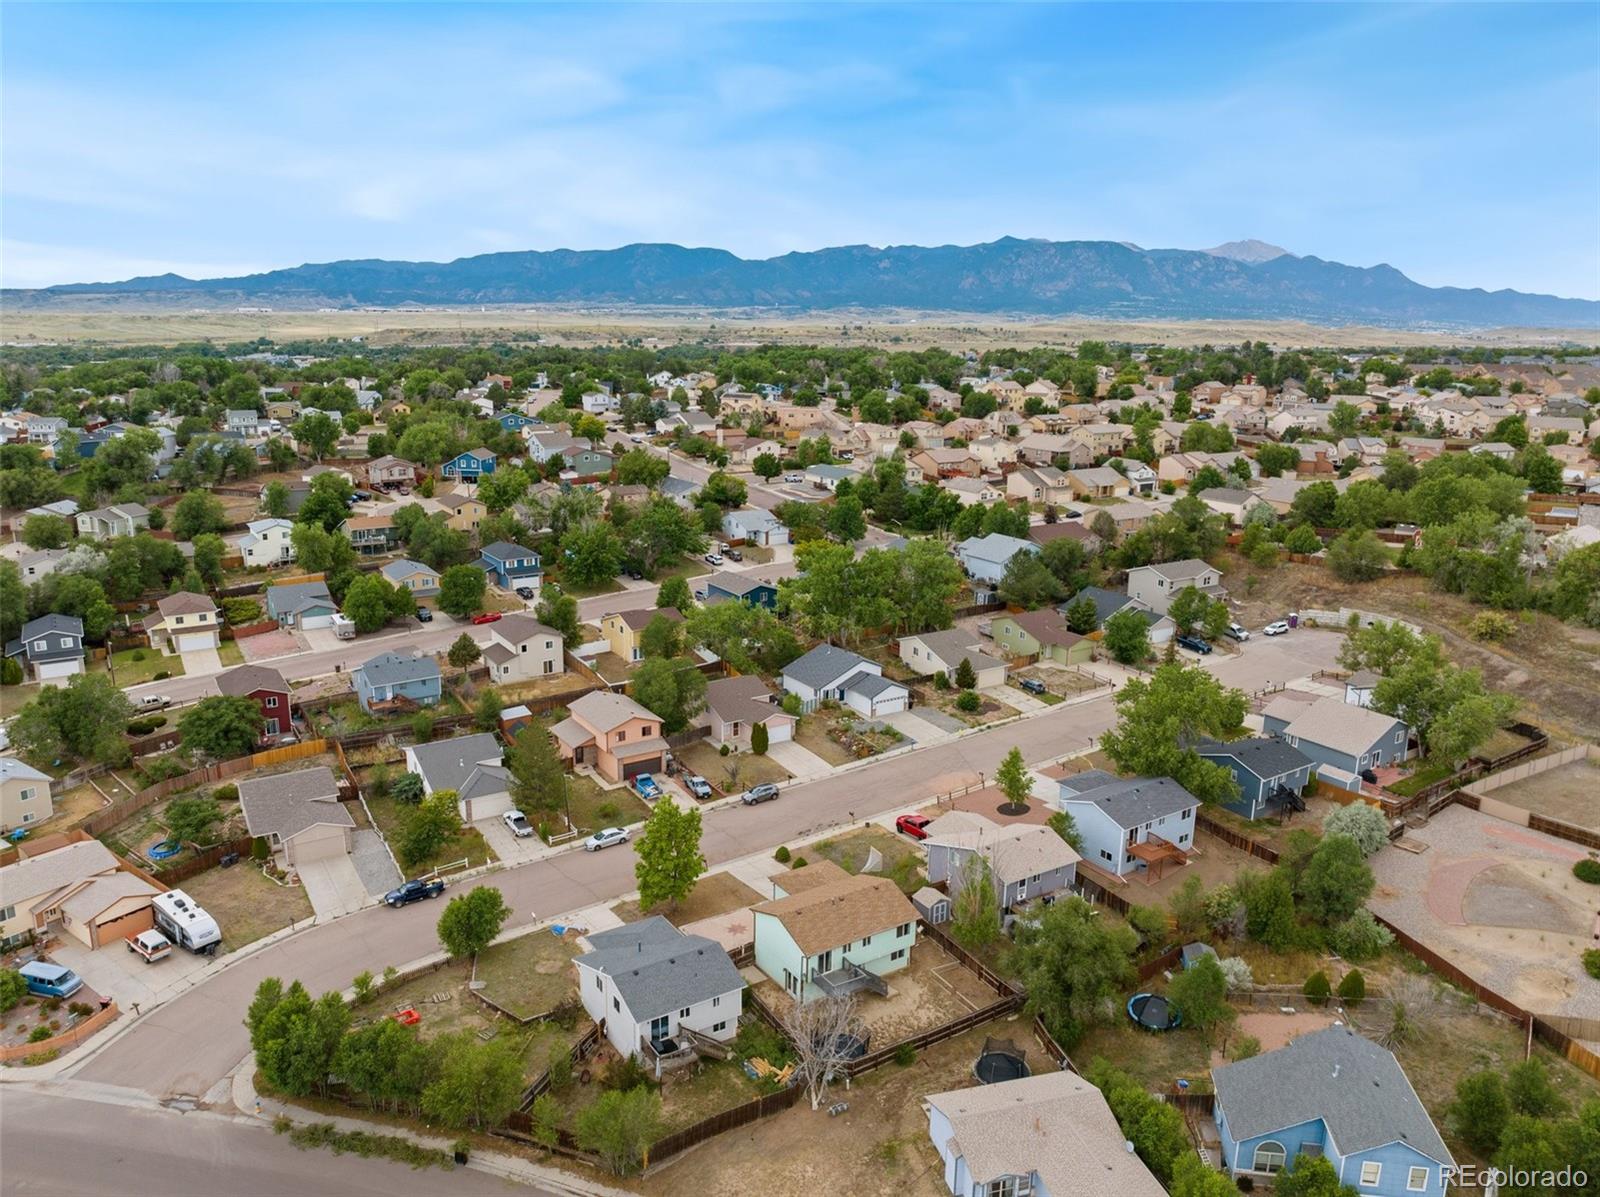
414,891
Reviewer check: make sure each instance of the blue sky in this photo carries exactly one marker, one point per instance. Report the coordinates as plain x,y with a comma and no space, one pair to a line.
1460,143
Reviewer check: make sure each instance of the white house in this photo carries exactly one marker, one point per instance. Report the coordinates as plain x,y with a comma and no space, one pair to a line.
469,765
833,673
754,525
1130,825
985,557
521,649
929,653
1157,585
268,542
651,984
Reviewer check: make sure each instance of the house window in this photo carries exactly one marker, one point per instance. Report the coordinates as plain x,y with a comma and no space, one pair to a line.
27,794
621,736
647,730
1184,838
272,703
1371,1170
616,1004
865,940
1270,1157
29,818
1397,736
903,930
40,645
684,1013
598,983
1417,1180
7,913
718,1026
898,954
716,1001
1188,813
1106,854
1005,1186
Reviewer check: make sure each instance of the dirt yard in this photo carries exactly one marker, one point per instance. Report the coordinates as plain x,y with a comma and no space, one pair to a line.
880,1143
713,895
246,904
902,860
1570,792
531,974
78,804
732,773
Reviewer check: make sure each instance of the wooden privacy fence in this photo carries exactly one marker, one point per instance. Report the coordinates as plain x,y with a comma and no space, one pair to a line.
992,979
949,1030
751,1111
202,861
71,1037
581,1051
1228,835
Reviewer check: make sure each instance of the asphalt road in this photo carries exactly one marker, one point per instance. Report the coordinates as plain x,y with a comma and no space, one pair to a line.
59,1145
193,1041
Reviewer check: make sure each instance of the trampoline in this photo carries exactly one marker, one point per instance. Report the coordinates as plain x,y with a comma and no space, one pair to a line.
1000,1060
1152,1012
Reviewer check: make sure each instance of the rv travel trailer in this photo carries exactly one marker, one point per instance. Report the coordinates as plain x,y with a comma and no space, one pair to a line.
185,923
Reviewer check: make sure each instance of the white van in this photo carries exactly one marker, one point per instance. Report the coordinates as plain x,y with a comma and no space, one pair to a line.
343,627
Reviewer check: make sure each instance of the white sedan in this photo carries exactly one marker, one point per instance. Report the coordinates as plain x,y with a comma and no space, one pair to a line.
1277,628
604,838
713,558
793,478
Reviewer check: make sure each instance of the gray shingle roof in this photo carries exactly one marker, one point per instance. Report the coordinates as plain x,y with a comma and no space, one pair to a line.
822,665
447,764
392,669
1351,1083
871,684
1265,756
657,968
1179,571
247,679
284,600
1106,602
285,804
1133,803
504,550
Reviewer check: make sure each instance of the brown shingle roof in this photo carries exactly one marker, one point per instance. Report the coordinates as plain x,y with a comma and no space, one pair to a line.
826,916
244,680
1046,626
184,603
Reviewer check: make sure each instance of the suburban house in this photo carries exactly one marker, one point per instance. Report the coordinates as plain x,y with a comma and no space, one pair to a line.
472,766
1334,1094
469,466
51,647
184,622
371,533
622,629
934,464
735,705
722,586
390,472
969,491
827,932
265,687
827,673
1044,634
403,681
650,984
299,815
123,519
1359,686
828,477
754,525
521,648
614,735
24,794
303,605
1130,825
268,542
1157,585
1039,484
39,563
1051,1135
414,576
1096,482
1336,733
1026,861
985,557
1232,502
78,887
245,422
928,653
510,565
1266,768
462,512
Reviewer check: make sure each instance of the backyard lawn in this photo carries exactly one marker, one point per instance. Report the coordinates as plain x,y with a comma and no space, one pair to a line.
733,773
1154,1059
246,904
594,807
531,974
133,666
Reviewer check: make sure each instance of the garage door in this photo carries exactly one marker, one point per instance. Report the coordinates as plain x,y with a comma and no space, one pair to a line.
649,764
780,731
889,705
304,849
194,641
129,925
308,622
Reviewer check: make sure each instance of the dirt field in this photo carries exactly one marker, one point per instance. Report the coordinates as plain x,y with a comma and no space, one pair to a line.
880,1143
1570,792
703,759
1500,900
713,894
246,904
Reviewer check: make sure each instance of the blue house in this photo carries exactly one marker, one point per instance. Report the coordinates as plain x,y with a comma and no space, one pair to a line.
469,466
515,421
1263,766
89,443
1335,1094
510,565
723,586
391,676
1340,737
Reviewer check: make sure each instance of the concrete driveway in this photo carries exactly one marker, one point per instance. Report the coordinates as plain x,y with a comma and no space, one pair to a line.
507,846
915,728
126,976
320,640
799,760
198,662
1015,697
334,887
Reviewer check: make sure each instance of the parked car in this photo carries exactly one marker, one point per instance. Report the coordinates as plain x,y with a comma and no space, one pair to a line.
152,702
424,615
414,891
1194,644
525,592
1238,633
636,439
50,980
649,789
636,575
698,786
713,558
765,792
1033,685
518,823
794,478
1276,628
486,617
734,555
152,945
604,838
916,826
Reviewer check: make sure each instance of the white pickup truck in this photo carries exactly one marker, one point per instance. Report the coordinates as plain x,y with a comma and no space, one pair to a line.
152,945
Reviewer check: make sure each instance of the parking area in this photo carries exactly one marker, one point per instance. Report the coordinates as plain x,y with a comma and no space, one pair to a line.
126,977
507,846
201,661
334,887
270,644
915,728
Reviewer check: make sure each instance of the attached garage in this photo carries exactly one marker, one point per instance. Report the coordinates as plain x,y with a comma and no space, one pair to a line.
57,671
315,617
187,642
108,908
780,730
321,841
646,764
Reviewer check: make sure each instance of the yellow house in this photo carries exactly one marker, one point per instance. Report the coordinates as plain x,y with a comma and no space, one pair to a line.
24,794
462,512
622,630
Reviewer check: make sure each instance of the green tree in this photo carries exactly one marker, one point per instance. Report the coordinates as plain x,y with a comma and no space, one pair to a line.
428,828
724,490
1192,1177
463,652
209,549
476,1084
620,1126
662,637
471,921
1480,1111
975,905
1066,827
759,739
559,612
46,531
275,500
1302,539
372,601
1364,824
965,677
673,690
328,504
845,521
13,602
13,988
223,726
1529,1090
1127,637
1336,881
668,850
1188,609
1160,719
1346,418
538,778
198,512
83,719
318,432
1268,908
1357,556
593,555
1072,965
1013,778
1028,582
461,590
766,466
1200,993
319,551
675,593
1082,616
190,820
1310,1176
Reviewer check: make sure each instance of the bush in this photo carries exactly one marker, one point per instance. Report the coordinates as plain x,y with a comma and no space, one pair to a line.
1359,937
1236,971
365,989
1495,626
259,849
1587,869
161,675
422,727
1150,922
13,988
1246,1046
968,701
227,792
1317,988
759,739
79,1009
941,680
782,854
799,862
1353,988
559,1066
39,1034
1591,963
139,654
905,1055
624,1074
723,750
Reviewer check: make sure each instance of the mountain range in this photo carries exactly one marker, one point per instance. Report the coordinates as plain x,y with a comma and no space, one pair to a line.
1105,279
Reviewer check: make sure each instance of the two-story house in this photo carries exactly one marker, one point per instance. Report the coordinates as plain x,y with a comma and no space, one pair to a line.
827,673
120,519
265,687
473,766
268,542
24,794
1342,738
1026,861
421,580
521,649
302,605
754,525
245,423
1157,585
985,557
50,648
651,985
184,622
390,473
724,586
510,565
1269,771
469,466
624,630
1039,484
390,681
612,734
371,533
1129,825
827,932
462,512
1334,1094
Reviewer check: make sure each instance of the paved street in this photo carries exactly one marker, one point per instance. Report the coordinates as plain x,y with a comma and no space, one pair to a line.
60,1144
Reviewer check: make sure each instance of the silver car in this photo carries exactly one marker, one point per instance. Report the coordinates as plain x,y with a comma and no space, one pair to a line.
604,838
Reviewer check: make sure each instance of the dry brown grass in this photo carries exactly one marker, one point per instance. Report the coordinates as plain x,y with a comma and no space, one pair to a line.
713,894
